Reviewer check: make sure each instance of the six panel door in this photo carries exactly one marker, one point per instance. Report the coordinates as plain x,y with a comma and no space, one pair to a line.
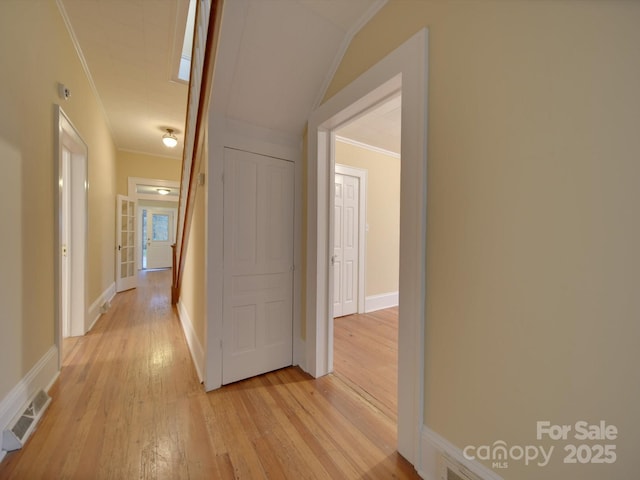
258,264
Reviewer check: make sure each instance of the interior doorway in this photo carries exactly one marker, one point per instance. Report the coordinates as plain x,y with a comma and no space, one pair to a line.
406,70
158,233
71,231
365,334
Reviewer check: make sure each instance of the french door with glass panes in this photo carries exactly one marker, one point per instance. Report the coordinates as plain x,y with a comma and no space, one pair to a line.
126,273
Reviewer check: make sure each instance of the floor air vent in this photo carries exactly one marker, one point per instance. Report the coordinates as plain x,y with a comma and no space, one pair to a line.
23,424
452,470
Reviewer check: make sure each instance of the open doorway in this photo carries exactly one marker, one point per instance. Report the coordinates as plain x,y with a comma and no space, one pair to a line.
405,70
157,211
71,235
158,233
366,254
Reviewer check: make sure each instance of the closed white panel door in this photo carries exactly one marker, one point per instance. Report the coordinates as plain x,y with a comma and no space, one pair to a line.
126,272
346,244
258,265
160,237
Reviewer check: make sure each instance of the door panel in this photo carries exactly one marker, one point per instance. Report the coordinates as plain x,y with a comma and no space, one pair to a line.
126,272
160,236
346,244
258,264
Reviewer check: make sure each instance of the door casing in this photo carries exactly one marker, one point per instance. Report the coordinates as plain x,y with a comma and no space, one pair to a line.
403,69
76,184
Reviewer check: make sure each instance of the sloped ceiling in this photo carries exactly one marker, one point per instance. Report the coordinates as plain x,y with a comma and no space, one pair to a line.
275,59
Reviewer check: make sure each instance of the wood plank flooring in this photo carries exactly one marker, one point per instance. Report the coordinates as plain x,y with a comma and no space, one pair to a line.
128,405
365,356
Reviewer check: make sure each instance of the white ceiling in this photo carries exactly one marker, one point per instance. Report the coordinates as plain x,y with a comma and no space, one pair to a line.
275,59
379,127
128,47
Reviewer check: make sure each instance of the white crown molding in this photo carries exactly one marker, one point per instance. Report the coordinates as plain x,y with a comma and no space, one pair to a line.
366,146
83,62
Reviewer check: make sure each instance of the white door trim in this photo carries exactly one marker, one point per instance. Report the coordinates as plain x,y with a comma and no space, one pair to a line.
68,136
172,212
225,133
132,189
146,205
405,68
361,174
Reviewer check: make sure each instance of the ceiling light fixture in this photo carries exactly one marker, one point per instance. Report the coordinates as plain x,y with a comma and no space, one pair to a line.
169,139
163,191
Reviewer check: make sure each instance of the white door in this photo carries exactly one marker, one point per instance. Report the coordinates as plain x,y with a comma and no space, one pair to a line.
346,243
160,237
65,240
258,265
126,272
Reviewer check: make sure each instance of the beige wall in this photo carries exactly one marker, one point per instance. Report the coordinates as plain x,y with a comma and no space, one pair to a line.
383,215
192,293
36,53
533,218
134,164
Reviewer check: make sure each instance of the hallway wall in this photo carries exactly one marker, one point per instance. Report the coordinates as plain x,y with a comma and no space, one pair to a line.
192,306
533,218
135,164
383,215
36,53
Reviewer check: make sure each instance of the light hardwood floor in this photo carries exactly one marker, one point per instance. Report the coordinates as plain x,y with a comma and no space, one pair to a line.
128,405
365,356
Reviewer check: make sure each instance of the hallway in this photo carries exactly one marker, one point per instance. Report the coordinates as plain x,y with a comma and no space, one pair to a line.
128,404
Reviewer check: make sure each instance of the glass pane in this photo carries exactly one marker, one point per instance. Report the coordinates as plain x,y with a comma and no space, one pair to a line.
160,228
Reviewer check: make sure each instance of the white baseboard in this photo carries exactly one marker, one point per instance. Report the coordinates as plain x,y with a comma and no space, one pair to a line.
195,347
41,376
378,302
94,312
433,446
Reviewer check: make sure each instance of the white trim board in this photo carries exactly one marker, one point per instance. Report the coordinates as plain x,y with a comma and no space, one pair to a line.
41,376
381,301
132,189
195,347
366,146
94,312
433,446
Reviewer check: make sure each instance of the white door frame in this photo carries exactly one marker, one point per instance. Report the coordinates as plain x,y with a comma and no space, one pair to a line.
69,137
361,175
403,69
147,205
132,192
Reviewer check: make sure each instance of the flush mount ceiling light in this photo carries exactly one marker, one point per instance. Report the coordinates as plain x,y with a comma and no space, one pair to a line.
163,191
169,139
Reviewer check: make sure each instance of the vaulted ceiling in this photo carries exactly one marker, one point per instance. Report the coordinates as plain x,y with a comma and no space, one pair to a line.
274,61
